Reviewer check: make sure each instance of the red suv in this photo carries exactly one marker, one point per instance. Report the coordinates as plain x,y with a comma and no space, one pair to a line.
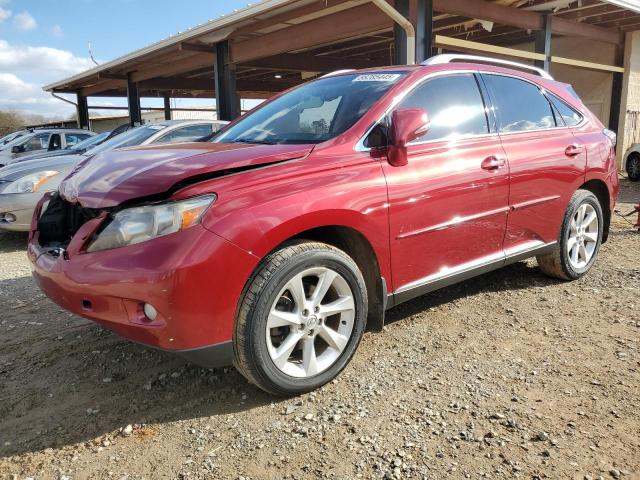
275,246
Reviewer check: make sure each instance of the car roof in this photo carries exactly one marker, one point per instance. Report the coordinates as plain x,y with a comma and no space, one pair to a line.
169,123
58,130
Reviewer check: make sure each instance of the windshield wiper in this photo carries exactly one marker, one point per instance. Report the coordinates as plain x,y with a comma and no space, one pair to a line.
248,140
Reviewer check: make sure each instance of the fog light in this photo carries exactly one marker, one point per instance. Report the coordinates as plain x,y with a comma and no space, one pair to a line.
150,311
8,217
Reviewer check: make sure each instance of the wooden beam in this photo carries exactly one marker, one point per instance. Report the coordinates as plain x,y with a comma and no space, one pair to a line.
525,19
102,87
493,12
298,15
199,84
465,45
197,47
561,26
589,65
346,24
165,70
111,76
297,62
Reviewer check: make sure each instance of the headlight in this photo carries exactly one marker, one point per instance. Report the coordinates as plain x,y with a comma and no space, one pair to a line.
139,224
30,183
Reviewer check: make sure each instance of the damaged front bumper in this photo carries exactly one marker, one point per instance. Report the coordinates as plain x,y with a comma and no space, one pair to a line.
192,279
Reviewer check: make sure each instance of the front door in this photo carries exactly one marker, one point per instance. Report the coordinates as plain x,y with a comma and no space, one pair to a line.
448,206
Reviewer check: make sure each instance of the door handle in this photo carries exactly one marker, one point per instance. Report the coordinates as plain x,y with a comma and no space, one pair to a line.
492,163
573,150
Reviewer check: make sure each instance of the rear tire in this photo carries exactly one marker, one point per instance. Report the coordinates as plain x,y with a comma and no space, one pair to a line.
633,167
301,318
580,239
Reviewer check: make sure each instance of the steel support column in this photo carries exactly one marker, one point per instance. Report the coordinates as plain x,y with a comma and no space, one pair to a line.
399,35
133,102
543,43
83,112
167,107
616,95
424,30
227,101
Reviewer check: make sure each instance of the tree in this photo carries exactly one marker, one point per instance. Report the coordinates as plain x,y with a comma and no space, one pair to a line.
10,122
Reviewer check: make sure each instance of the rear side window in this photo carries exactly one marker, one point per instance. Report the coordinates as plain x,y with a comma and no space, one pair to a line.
454,106
519,105
570,117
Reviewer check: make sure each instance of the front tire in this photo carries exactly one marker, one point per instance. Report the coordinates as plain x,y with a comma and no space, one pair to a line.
301,318
633,167
580,239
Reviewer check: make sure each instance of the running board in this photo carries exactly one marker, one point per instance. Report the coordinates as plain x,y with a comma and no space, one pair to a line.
450,276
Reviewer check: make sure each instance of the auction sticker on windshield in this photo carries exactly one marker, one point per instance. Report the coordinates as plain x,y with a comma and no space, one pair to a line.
377,77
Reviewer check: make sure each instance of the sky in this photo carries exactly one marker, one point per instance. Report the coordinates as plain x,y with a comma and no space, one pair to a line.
43,41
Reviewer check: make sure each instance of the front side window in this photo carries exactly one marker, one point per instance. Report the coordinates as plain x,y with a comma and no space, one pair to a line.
188,133
37,142
519,105
454,105
315,112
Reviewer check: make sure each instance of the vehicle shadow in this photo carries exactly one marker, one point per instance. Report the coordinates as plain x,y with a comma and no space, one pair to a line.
65,380
513,277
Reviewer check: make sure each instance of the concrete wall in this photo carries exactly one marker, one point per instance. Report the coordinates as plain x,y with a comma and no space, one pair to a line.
630,108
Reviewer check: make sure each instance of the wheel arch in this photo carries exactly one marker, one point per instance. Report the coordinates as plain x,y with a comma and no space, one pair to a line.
359,247
601,191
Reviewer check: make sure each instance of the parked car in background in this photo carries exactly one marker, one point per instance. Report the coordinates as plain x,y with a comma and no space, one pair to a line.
631,162
78,149
276,246
22,184
42,140
10,137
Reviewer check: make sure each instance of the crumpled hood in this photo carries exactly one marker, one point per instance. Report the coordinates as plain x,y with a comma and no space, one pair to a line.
111,178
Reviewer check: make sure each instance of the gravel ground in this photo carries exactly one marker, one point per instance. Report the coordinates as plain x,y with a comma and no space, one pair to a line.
508,375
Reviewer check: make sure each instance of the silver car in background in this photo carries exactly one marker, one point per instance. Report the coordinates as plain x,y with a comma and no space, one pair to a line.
23,184
42,140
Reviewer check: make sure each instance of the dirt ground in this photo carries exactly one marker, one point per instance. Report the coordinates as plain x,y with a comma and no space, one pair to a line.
508,375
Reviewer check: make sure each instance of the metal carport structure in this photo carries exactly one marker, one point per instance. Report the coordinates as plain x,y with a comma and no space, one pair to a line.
276,44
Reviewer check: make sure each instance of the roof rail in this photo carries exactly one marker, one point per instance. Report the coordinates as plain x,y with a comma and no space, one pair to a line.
454,57
338,72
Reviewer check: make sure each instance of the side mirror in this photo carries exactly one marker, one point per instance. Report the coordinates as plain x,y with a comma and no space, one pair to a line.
17,149
407,124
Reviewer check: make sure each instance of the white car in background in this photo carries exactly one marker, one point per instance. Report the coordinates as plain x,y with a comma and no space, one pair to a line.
631,162
23,184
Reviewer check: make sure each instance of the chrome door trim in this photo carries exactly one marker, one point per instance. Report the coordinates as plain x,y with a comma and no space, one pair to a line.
453,222
535,201
449,276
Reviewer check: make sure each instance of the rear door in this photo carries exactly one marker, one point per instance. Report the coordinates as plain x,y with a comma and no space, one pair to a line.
449,204
546,162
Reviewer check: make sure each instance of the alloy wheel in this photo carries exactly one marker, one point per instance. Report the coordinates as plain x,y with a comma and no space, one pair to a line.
583,236
310,322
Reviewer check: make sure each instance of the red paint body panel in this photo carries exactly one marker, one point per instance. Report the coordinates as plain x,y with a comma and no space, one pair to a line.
445,210
441,210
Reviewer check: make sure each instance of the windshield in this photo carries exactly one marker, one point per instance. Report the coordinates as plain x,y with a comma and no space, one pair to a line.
90,142
312,113
130,138
19,140
8,138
